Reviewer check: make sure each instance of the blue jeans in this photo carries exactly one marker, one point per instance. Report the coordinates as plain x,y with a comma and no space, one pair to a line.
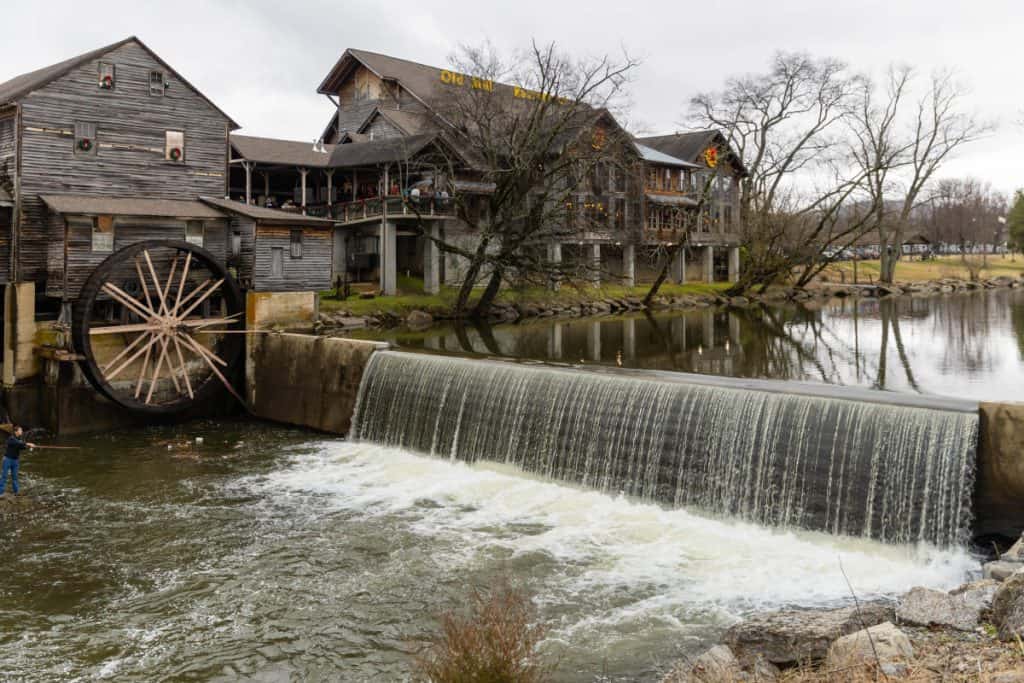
12,467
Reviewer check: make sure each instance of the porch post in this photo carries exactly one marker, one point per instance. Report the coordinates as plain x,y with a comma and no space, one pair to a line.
555,257
709,264
330,185
629,265
734,264
303,172
388,258
266,183
432,260
678,267
248,181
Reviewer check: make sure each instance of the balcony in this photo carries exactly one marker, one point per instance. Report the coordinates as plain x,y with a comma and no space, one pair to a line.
374,208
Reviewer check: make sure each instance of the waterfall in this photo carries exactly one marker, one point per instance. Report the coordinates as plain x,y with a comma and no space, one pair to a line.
897,473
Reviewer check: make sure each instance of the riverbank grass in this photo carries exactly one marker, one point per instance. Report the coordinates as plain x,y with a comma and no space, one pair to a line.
410,296
933,269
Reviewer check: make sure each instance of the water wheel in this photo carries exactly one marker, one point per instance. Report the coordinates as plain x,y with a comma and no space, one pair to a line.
159,324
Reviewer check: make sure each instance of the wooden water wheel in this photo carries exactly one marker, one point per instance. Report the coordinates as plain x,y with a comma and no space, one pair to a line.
159,324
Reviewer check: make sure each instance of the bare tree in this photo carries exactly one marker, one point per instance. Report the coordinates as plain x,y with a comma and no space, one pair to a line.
899,153
785,126
542,147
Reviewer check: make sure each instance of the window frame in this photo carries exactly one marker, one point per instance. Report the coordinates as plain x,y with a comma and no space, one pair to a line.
103,71
169,145
161,87
97,230
295,245
202,233
85,130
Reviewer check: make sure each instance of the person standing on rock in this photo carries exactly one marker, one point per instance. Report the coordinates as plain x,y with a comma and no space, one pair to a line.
12,456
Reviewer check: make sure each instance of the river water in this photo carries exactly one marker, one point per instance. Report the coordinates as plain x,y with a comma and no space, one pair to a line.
277,555
967,345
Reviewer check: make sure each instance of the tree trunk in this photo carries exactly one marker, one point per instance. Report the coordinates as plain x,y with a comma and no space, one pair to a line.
483,306
470,278
663,273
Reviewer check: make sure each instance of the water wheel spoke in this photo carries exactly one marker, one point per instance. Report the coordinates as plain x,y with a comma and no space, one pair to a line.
202,350
167,287
126,299
125,351
170,364
184,368
181,287
142,281
198,348
145,366
121,329
156,281
115,373
210,290
197,323
156,371
193,293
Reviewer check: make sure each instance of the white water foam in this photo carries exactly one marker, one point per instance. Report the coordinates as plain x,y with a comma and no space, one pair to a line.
634,565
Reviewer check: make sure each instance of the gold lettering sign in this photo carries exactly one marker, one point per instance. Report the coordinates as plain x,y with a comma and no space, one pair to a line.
455,78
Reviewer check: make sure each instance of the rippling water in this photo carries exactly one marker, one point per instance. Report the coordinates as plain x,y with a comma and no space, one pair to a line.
273,554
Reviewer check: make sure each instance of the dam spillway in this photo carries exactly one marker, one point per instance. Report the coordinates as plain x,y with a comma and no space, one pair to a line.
897,473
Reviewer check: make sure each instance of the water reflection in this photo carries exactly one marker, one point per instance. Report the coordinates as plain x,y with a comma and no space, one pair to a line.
965,345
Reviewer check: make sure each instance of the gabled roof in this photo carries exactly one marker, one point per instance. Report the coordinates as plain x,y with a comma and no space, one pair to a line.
419,79
93,205
409,123
22,85
690,146
655,157
265,215
280,152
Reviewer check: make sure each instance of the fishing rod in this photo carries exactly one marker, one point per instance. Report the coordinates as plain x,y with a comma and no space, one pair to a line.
58,448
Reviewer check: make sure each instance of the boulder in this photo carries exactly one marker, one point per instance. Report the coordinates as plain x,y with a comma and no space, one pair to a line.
794,636
979,593
1000,570
717,664
419,319
927,607
739,301
883,644
1016,676
1008,608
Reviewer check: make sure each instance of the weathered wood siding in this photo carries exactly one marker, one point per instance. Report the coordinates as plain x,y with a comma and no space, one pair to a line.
8,174
82,260
246,227
129,159
382,129
312,272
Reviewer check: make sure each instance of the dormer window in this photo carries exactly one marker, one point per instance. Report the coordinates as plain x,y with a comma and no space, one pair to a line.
106,75
174,146
85,139
156,84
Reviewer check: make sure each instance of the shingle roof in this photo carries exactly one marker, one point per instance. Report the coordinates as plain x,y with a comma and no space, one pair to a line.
266,215
690,146
19,86
283,152
129,206
379,151
655,157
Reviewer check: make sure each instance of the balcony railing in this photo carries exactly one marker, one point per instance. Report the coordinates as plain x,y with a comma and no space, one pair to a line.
366,209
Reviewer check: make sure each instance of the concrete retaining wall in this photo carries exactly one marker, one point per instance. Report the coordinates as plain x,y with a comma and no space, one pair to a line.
999,493
306,380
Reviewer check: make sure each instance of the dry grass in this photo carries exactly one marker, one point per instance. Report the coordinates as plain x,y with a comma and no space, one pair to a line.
940,267
494,642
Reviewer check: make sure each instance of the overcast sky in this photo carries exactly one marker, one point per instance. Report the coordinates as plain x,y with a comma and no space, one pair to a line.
261,60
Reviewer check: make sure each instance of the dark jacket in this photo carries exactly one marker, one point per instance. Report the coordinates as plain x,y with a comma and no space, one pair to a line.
14,447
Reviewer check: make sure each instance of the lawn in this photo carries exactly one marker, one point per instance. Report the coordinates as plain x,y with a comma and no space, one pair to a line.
410,296
937,268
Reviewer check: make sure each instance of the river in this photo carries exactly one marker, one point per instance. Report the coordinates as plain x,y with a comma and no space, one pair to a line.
273,554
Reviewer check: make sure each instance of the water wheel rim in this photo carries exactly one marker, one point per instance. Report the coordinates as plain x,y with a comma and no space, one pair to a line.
228,353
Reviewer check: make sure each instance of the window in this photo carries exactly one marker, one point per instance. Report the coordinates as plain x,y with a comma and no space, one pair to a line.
174,149
728,216
619,179
194,232
236,244
85,139
105,77
296,244
156,84
620,213
277,262
103,234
